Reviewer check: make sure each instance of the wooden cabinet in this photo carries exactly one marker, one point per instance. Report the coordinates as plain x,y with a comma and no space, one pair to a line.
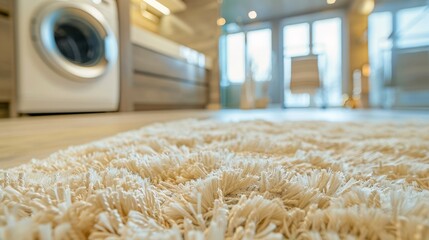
4,6
151,80
151,62
165,82
7,75
151,91
5,58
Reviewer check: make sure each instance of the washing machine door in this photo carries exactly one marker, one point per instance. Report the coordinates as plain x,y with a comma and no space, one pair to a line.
75,39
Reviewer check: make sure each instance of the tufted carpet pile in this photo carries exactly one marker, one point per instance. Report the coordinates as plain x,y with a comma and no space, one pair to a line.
207,179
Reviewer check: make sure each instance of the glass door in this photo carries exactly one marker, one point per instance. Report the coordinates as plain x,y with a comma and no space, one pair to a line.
246,54
248,51
322,38
398,39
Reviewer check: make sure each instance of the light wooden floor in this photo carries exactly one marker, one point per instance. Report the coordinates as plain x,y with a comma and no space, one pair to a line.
36,137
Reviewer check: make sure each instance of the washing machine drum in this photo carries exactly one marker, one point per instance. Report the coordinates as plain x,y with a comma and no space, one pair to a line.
75,40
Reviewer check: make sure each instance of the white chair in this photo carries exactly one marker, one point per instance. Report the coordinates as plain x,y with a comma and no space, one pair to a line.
305,76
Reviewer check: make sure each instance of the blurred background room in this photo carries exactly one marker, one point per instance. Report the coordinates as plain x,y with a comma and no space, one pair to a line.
216,54
367,54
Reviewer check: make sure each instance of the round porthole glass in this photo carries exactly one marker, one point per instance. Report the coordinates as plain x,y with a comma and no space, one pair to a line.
75,39
78,42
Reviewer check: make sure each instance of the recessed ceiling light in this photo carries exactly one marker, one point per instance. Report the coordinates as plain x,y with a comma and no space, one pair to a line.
331,1
221,21
252,14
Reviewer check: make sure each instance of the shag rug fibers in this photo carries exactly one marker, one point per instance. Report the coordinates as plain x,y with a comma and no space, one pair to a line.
205,179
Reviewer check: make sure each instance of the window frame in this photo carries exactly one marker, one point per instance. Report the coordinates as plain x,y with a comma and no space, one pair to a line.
223,46
310,19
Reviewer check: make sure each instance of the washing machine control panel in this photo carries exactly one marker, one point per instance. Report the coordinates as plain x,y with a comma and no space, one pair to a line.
106,6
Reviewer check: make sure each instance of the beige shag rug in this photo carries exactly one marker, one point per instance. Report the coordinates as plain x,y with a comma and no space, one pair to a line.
216,180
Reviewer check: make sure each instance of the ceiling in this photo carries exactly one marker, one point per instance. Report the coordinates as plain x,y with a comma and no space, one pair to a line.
237,10
412,1
196,25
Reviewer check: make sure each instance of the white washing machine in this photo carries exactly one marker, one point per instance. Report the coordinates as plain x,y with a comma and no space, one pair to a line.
67,56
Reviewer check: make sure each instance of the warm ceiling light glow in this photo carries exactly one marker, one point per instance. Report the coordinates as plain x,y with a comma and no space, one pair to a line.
368,6
252,14
366,70
158,6
221,21
331,1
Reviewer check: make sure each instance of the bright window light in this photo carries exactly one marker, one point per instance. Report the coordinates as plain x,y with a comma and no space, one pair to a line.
235,57
412,30
259,53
